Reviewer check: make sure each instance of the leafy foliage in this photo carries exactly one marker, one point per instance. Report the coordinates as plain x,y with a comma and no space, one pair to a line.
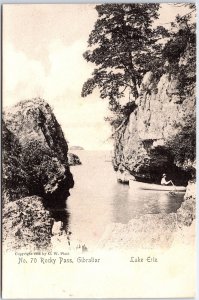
120,114
183,145
14,177
180,52
122,46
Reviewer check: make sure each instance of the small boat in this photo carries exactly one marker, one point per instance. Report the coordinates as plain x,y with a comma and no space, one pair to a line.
155,187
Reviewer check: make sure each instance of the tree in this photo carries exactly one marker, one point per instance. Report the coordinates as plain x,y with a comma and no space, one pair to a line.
183,145
123,47
180,52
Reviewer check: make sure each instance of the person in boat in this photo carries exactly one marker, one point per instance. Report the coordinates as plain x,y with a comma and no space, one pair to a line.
164,181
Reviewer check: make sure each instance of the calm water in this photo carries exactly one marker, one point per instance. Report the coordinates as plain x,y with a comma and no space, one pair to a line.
98,200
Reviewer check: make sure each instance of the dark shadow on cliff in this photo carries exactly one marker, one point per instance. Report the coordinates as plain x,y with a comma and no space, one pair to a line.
56,203
160,160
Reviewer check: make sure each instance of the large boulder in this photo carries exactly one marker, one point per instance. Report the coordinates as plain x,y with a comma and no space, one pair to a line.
35,160
73,159
44,149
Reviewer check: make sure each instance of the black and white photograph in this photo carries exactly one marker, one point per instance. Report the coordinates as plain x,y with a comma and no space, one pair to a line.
99,150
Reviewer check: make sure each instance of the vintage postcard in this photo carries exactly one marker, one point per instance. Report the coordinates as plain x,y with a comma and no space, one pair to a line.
99,150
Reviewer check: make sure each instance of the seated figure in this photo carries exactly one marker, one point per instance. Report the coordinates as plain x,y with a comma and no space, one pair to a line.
164,182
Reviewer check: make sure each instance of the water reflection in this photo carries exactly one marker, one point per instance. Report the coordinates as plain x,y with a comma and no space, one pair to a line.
61,215
127,203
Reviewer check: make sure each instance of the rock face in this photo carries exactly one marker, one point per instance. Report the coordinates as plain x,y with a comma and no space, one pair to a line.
27,223
35,164
73,159
143,145
187,212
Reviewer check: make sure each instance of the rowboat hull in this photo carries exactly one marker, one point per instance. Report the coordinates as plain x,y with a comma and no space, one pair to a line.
155,187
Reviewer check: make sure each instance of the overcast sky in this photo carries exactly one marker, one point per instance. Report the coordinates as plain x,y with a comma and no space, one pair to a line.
42,56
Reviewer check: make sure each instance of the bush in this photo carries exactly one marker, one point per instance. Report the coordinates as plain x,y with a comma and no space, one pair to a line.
183,145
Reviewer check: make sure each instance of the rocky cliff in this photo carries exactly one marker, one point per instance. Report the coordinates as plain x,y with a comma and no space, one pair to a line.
36,175
73,159
145,146
160,137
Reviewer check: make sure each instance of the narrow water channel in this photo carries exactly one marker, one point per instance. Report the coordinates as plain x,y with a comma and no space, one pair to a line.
98,200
